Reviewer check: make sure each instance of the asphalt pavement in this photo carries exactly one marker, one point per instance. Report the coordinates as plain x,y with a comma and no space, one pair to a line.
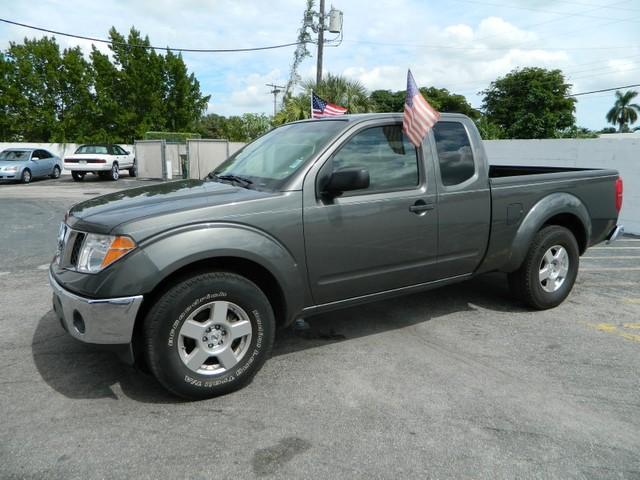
460,382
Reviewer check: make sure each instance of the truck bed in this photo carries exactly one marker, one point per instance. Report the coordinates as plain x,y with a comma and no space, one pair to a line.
499,171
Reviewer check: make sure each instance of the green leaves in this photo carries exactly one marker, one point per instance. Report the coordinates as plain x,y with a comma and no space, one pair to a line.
53,96
624,112
530,103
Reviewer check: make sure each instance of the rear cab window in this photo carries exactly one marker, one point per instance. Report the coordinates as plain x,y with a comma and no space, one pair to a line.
455,155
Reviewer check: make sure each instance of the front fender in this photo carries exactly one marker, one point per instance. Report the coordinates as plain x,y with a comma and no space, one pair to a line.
175,249
538,215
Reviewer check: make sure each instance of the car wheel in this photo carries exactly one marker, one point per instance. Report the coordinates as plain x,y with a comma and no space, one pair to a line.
549,270
26,176
56,172
209,335
77,176
114,174
133,170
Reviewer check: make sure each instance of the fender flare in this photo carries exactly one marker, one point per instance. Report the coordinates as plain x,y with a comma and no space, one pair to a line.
546,208
175,249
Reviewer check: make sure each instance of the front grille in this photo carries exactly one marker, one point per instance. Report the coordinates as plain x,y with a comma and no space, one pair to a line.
70,248
75,251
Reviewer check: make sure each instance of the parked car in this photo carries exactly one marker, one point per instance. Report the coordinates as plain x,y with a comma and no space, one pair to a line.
192,277
102,159
24,164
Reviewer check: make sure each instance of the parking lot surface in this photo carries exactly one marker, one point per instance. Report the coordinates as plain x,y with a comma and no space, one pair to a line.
460,382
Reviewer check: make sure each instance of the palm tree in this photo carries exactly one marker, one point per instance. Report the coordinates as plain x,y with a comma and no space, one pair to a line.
333,88
623,111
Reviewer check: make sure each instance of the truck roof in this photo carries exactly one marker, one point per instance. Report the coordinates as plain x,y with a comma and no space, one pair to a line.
361,117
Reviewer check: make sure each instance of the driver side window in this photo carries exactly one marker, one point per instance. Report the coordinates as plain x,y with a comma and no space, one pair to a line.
387,154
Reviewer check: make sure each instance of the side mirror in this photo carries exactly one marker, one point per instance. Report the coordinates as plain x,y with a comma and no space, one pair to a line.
346,180
127,152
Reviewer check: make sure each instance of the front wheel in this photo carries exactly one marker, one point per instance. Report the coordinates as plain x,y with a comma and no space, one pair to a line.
549,270
209,335
132,170
26,176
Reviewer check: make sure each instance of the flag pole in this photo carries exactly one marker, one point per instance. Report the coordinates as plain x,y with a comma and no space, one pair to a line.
311,104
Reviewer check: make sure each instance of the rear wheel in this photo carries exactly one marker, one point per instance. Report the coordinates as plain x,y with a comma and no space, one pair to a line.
26,176
549,270
77,176
209,335
114,174
56,172
133,170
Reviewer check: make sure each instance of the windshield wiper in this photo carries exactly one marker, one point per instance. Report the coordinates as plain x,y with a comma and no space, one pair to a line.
245,182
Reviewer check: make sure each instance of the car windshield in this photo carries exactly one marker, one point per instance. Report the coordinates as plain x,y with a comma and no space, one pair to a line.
15,155
271,159
99,149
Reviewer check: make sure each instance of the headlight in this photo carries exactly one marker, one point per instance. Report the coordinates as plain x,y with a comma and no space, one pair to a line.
10,169
100,251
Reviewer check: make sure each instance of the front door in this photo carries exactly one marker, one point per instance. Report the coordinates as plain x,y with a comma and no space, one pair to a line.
377,239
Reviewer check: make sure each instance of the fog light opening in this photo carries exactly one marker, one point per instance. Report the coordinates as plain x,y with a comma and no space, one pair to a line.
78,322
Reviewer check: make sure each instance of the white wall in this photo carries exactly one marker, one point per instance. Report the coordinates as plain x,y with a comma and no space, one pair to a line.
619,153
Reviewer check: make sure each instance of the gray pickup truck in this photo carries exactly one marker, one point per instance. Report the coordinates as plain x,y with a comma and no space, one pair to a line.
191,278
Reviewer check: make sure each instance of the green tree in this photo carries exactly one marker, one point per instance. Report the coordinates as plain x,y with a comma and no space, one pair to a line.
488,130
333,88
388,101
237,128
624,112
33,88
439,98
530,103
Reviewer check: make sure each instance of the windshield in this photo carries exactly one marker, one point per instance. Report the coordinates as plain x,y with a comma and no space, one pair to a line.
100,149
270,160
15,155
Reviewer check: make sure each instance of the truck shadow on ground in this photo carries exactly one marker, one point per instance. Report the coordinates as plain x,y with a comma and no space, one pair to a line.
80,371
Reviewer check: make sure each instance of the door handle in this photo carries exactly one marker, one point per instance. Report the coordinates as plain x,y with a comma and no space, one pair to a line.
421,206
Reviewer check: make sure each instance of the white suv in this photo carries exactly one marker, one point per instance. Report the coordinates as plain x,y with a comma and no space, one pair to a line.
104,160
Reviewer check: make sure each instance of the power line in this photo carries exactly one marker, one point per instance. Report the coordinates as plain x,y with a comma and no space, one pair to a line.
604,90
573,14
151,47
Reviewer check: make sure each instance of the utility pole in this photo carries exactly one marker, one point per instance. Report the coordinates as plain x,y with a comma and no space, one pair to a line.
276,90
320,43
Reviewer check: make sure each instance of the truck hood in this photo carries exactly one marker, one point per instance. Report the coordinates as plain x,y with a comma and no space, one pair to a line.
102,214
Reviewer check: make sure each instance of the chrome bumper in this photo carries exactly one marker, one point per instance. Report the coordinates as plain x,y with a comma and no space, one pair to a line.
107,321
615,233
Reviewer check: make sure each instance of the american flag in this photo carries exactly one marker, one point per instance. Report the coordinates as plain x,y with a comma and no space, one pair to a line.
322,108
418,116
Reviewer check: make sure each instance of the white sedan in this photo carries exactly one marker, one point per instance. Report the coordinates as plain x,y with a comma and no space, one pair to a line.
104,160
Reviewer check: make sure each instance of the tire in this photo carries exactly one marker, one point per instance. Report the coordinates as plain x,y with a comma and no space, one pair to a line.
549,270
56,172
114,174
193,308
26,176
77,176
132,170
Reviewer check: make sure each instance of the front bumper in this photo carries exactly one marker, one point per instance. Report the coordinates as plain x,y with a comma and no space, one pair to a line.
107,321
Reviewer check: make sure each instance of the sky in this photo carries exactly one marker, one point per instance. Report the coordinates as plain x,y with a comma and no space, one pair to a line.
461,45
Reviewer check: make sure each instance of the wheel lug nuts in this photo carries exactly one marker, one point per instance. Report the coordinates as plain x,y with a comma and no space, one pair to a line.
211,345
204,339
224,332
221,342
217,327
208,329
